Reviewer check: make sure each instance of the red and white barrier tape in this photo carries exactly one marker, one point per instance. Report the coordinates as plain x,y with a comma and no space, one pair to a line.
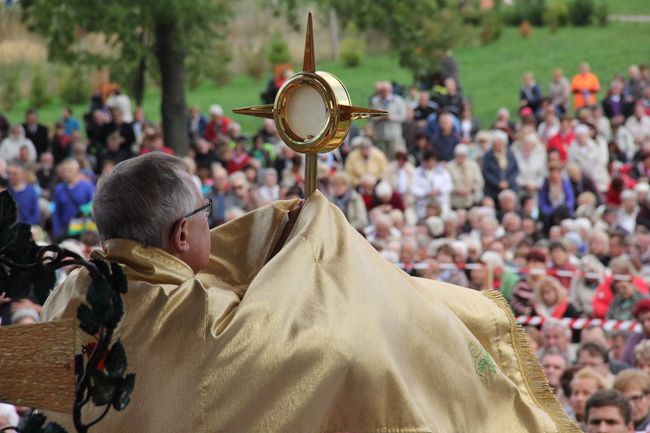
582,323
517,270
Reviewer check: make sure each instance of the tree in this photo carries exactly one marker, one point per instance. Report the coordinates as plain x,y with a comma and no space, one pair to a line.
420,32
157,34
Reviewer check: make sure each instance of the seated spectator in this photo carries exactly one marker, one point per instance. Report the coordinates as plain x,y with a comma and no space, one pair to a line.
592,273
221,196
205,155
551,300
639,125
615,103
550,127
641,313
584,152
503,123
245,198
593,355
445,139
466,178
557,335
400,174
531,162
217,127
563,139
431,181
561,266
522,299
407,257
10,146
423,109
596,334
556,199
608,411
635,387
554,364
386,199
240,157
349,201
499,167
448,271
365,158
270,190
642,356
584,384
581,183
113,151
622,268
25,195
627,214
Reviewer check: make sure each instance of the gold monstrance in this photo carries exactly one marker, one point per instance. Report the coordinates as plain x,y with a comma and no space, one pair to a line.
312,111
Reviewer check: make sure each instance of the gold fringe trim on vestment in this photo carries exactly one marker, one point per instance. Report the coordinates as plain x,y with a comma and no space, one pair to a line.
531,370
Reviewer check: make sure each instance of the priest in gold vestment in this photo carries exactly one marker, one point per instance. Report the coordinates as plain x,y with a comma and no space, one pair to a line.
323,335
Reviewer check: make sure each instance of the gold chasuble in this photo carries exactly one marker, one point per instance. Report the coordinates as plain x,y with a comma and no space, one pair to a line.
326,337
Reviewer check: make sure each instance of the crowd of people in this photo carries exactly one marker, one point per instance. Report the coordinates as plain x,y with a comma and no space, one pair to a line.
550,206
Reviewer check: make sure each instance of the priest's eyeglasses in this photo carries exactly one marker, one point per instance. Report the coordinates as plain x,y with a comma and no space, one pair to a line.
206,208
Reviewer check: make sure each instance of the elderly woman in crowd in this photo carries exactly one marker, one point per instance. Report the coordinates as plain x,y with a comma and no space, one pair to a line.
585,152
531,161
556,200
592,273
466,178
349,201
499,167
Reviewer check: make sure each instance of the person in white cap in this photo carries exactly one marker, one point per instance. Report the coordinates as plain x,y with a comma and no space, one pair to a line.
218,124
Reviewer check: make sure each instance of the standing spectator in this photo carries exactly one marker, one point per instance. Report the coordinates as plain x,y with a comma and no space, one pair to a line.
530,94
388,130
499,167
559,91
11,146
450,99
445,139
563,139
365,158
70,123
349,201
466,178
635,84
46,174
635,387
118,101
431,181
36,133
469,124
196,124
124,128
24,194
61,143
71,195
584,86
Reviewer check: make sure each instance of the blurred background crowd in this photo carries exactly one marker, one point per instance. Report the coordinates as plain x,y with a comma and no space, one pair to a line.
549,205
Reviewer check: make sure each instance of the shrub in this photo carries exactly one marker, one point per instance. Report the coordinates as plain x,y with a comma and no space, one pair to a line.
601,13
556,14
255,65
74,87
490,27
352,47
524,10
525,29
10,91
581,12
38,94
278,50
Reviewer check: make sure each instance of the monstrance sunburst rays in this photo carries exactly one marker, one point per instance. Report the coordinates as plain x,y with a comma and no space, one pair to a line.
312,111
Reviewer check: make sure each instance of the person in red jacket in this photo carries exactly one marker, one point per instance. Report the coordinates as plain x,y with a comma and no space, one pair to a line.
622,267
562,140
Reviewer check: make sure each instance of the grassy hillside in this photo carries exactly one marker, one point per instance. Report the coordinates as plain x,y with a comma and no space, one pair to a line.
490,75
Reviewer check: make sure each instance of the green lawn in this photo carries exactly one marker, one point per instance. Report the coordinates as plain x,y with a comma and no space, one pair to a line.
490,75
629,7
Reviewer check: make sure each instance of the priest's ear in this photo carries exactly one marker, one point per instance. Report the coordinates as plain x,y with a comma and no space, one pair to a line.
178,242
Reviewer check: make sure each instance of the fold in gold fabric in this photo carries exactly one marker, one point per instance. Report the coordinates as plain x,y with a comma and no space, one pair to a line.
325,337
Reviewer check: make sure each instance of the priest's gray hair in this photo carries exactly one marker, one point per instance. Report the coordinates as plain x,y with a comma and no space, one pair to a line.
142,199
